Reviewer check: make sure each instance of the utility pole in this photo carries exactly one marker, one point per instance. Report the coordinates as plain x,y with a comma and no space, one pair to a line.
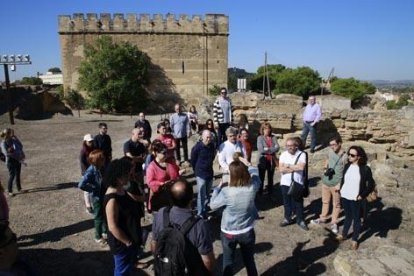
12,60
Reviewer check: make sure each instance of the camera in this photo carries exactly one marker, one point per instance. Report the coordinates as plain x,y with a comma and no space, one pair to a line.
330,172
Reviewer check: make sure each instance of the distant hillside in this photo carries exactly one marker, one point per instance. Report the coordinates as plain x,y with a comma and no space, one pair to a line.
397,84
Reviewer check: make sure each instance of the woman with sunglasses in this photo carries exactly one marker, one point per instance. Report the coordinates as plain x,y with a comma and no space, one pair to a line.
160,173
356,185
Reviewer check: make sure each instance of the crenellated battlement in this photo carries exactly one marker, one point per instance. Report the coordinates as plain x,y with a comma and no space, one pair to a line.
212,24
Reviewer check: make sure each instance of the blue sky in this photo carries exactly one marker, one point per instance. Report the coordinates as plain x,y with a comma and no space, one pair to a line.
365,39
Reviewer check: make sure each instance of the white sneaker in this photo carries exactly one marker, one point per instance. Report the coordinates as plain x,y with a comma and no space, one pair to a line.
315,221
334,228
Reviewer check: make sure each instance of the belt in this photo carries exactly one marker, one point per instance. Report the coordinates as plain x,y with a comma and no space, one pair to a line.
309,122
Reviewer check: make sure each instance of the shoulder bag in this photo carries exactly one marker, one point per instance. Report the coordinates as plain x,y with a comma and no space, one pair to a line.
296,189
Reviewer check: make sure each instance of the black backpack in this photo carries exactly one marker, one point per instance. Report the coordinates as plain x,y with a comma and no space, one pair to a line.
175,254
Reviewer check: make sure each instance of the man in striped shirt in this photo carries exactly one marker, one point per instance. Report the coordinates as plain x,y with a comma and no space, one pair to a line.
222,115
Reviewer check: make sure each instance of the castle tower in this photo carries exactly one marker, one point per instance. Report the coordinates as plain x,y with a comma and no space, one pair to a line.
188,55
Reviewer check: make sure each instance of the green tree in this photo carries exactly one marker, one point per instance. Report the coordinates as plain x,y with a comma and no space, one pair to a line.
75,100
214,90
274,71
30,81
55,70
114,76
301,81
352,88
402,101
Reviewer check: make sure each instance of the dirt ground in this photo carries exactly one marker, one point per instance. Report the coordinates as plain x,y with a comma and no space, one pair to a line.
55,234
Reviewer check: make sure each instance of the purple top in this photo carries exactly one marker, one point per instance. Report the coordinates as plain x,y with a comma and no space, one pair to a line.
4,208
312,113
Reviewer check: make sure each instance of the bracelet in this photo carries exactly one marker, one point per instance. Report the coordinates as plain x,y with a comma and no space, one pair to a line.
128,244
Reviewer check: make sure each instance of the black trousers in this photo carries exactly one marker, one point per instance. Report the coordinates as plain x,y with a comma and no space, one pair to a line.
184,143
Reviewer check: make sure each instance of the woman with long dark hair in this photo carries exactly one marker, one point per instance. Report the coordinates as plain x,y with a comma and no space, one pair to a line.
237,223
124,236
356,185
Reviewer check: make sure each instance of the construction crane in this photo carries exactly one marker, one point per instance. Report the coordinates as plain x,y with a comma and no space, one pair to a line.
326,84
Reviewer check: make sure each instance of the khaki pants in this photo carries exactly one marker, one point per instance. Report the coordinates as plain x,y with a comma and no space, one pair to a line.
328,193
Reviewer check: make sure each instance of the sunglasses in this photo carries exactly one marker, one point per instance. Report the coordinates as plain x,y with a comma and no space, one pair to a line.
353,155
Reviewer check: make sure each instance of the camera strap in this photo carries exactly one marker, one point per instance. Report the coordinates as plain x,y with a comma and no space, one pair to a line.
340,158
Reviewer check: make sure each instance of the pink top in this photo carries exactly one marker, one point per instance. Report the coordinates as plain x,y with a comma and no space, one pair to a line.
169,141
157,175
4,208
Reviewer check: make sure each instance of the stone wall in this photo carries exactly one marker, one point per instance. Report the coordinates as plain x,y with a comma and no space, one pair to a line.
393,129
188,55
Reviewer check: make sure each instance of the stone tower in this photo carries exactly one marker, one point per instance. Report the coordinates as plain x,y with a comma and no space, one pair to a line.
188,55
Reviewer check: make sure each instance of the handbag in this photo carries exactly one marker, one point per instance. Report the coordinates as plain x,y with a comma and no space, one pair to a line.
296,189
373,196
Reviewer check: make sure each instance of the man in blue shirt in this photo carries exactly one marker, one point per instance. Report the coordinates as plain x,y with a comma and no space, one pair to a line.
180,126
311,116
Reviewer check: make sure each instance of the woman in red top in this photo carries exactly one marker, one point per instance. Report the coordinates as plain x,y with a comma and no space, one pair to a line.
247,146
160,173
168,140
267,147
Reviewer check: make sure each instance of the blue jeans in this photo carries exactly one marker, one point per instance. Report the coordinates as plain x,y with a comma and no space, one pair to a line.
291,205
306,128
203,188
124,261
352,210
229,243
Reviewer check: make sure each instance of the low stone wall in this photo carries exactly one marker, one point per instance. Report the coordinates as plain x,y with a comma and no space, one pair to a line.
392,128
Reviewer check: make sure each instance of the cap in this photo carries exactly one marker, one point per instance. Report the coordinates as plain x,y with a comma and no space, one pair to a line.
88,138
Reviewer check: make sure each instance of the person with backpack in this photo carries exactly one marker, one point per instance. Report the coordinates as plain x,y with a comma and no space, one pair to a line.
239,214
182,243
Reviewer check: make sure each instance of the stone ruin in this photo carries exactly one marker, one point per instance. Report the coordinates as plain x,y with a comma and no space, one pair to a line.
391,130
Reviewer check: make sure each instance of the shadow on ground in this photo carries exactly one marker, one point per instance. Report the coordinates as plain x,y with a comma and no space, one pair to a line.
304,262
59,186
68,262
55,234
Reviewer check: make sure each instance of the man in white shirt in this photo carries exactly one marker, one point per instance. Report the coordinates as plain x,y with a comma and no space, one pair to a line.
292,161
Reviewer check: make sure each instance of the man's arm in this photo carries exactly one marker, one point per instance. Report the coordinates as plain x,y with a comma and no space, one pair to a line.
318,114
209,262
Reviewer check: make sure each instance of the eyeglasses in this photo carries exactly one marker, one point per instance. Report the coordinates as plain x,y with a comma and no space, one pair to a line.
290,145
333,145
353,155
163,152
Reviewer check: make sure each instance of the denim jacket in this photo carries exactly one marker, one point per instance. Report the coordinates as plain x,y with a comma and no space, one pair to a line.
240,210
91,182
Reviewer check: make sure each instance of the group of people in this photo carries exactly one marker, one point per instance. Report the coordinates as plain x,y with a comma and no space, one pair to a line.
149,178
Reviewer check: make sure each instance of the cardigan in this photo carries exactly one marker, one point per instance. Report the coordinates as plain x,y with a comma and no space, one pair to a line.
367,182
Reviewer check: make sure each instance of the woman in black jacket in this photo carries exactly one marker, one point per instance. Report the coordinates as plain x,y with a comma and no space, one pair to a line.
356,185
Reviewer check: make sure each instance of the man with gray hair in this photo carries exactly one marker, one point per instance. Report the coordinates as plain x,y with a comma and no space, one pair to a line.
202,158
227,149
